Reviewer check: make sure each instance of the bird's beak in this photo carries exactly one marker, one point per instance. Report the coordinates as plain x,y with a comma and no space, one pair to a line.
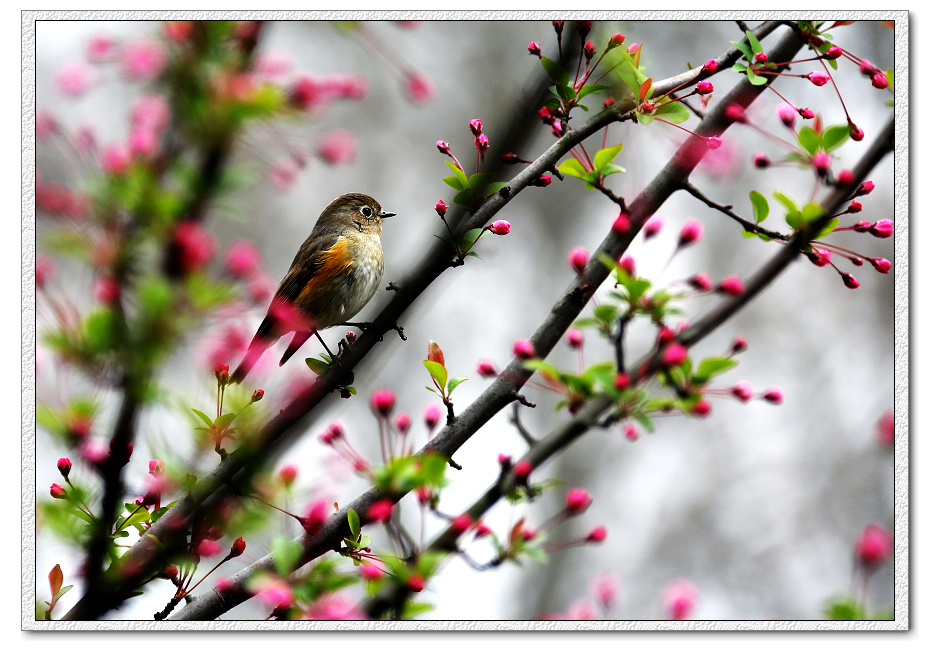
385,215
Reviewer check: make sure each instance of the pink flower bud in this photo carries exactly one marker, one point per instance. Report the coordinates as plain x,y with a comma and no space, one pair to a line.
482,530
524,349
441,208
773,395
710,66
578,259
605,588
628,264
664,335
143,142
833,53
486,369
443,147
577,500
64,466
115,159
844,178
607,103
653,226
500,227
854,207
315,517
786,113
704,87
735,113
700,281
475,126
856,133
522,469
589,51
679,599
883,228
880,81
881,265
622,381
575,338
821,161
460,525
370,572
633,48
237,548
849,280
739,345
156,467
107,290
674,354
402,422
615,40
818,78
382,402
820,257
647,107
258,394
874,546
713,142
597,535
690,233
432,414
621,224
380,511
415,583
806,113
57,491
630,432
420,88
195,245
337,147
732,286
542,181
762,57
701,408
534,48
886,429
481,142
242,259
288,474
865,188
742,391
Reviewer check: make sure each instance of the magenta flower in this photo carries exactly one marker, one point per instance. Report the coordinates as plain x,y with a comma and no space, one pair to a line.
420,88
486,368
500,227
874,546
337,147
787,113
64,466
522,469
674,354
575,338
475,126
883,228
818,78
524,349
700,281
460,524
732,286
742,391
773,395
74,78
628,264
402,422
143,142
57,491
679,600
597,535
621,224
380,511
432,414
653,226
288,474
534,49
704,87
143,60
615,40
382,402
195,245
630,432
577,500
690,233
242,259
578,259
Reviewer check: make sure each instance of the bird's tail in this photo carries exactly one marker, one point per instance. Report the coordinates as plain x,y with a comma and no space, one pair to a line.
260,343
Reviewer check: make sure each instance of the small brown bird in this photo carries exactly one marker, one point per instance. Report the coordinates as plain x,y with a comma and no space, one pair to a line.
334,274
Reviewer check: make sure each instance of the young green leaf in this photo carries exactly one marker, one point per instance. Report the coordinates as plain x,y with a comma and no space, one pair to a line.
438,372
753,42
454,382
355,525
557,73
809,139
605,156
834,136
673,112
572,167
760,206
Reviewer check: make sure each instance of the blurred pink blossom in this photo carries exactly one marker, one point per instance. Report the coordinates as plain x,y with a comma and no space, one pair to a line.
420,88
74,78
143,60
334,607
337,147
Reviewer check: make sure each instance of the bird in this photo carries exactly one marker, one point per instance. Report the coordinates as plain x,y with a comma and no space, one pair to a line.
335,273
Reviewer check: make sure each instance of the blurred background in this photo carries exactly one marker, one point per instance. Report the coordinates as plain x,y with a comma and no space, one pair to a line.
758,507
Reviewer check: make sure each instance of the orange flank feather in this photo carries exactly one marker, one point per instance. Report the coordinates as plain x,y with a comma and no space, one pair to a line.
336,260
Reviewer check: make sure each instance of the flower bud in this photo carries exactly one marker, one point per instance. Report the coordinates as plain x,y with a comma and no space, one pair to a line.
57,491
628,264
577,500
701,408
597,535
674,354
522,469
833,53
615,40
542,181
621,224
690,233
773,395
700,281
460,525
500,227
882,229
849,280
443,147
237,548
432,414
713,142
881,265
760,160
806,113
481,142
865,188
622,381
880,81
382,402
630,432
704,87
709,67
731,286
575,338
742,391
486,369
818,78
844,178
762,57
64,466
589,51
821,162
786,114
441,208
820,257
854,207
402,422
534,49
578,259
524,349
739,345
415,583
735,113
380,511
653,226
475,126
874,546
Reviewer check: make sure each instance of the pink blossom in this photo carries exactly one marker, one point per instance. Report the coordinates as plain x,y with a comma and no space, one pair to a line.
628,264
605,587
143,60
150,111
475,126
337,147
308,93
107,290
46,124
316,515
874,546
115,159
881,265
57,491
739,345
630,432
143,141
577,500
704,87
742,391
818,78
44,269
700,281
156,467
382,402
402,422
432,414
524,349
880,81
578,259
94,451
886,429
575,338
100,48
855,133
622,381
500,227
849,280
732,286
653,226
674,354
883,228
615,40
273,65
287,474
597,535
195,245
761,160
207,548
534,49
679,599
370,572
273,592
786,113
486,368
283,174
621,224
710,66
522,469
243,259
821,161
334,607
460,524
701,408
690,233
74,78
773,395
380,511
419,87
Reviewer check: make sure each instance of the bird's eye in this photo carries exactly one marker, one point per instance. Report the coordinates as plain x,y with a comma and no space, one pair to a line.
366,211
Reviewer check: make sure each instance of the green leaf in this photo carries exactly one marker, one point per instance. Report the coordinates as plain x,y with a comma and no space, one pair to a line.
711,367
557,73
811,212
573,167
606,312
355,525
465,197
460,175
644,118
754,79
61,593
138,517
828,228
786,201
224,421
809,139
745,49
479,180
739,67
847,610
566,92
760,206
673,112
753,42
318,366
285,553
454,182
834,136
203,417
610,168
494,187
629,76
454,382
470,237
605,156
438,371
591,88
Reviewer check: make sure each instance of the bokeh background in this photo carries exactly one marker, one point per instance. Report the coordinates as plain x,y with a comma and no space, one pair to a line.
757,506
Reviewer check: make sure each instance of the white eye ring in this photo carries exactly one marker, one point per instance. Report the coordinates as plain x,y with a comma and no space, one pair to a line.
366,211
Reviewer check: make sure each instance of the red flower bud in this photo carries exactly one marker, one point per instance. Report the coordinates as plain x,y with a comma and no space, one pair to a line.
704,88
674,354
735,113
621,224
880,81
818,78
732,286
597,535
258,394
575,338
615,40
709,67
849,280
844,178
762,57
441,208
773,395
534,48
380,511
475,126
443,147
622,381
690,233
874,546
883,228
578,259
589,51
577,500
833,53
524,349
64,466
486,369
500,227
432,414
806,113
701,408
739,345
460,525
760,160
742,392
382,402
415,583
542,181
57,491
522,469
700,281
237,548
865,188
